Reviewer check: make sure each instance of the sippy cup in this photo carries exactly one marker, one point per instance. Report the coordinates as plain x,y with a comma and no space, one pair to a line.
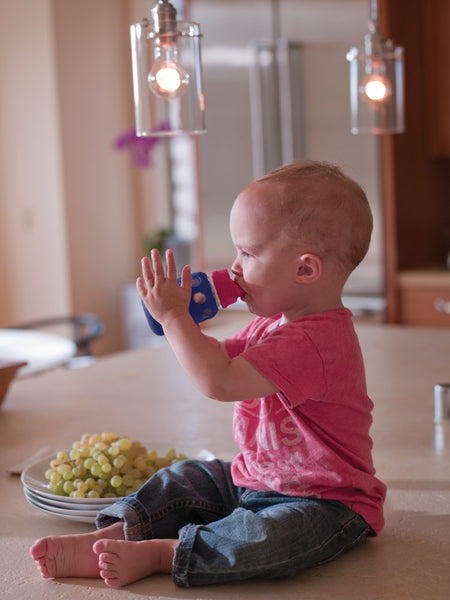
207,296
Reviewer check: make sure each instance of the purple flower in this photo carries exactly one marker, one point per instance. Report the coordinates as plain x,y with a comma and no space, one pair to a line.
140,147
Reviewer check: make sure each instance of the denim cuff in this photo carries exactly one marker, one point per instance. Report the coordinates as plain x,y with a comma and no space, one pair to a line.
135,526
182,555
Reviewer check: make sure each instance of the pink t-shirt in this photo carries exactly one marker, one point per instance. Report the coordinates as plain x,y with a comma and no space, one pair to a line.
311,439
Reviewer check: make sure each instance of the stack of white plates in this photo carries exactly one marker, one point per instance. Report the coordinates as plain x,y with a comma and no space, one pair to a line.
36,490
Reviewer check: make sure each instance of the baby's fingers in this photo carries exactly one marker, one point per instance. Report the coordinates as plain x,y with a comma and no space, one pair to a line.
141,287
186,278
171,266
157,264
147,272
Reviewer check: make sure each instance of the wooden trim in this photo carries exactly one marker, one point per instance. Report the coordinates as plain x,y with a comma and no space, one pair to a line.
390,228
389,201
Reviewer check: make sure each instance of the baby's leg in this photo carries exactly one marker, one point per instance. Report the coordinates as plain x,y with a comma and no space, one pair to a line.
71,555
121,562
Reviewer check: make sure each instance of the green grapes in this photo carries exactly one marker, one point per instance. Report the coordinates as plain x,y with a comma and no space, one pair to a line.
104,465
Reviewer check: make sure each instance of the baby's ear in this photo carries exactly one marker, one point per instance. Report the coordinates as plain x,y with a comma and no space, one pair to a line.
309,268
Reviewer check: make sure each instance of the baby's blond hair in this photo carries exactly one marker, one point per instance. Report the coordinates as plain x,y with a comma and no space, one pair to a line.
324,209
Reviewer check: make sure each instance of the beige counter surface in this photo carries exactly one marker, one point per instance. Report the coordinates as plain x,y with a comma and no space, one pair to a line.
145,395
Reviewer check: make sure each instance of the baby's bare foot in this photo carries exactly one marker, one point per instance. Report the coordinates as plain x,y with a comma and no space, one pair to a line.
121,562
65,556
71,555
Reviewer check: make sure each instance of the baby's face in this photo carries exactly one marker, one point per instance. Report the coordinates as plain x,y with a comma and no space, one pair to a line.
266,261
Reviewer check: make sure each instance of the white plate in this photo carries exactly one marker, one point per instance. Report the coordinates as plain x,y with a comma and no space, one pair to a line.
66,505
33,478
40,350
71,512
69,515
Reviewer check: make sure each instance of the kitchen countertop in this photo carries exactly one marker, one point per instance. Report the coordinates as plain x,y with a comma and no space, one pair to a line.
145,395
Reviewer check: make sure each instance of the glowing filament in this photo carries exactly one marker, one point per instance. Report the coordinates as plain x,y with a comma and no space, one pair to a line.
376,90
168,79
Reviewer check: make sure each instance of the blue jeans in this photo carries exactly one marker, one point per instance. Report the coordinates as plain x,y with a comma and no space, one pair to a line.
228,533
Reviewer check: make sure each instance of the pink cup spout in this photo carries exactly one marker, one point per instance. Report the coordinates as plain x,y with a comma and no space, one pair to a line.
228,291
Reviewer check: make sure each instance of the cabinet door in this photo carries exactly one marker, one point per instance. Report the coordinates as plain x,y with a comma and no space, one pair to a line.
437,75
425,307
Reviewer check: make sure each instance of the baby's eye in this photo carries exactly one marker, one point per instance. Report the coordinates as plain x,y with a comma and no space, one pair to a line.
245,254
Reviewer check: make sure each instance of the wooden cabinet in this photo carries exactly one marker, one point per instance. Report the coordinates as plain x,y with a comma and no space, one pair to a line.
416,166
437,73
425,298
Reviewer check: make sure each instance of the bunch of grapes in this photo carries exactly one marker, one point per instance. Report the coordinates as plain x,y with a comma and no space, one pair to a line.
104,465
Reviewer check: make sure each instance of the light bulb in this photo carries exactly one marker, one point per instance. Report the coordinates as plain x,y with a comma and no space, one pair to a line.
167,79
375,88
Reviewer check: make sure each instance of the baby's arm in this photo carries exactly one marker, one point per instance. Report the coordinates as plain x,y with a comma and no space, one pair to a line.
209,367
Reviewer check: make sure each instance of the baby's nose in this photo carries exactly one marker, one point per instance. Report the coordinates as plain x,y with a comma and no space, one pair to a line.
236,267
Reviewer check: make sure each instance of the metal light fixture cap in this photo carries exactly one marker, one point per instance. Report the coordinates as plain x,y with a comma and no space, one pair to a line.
375,44
164,16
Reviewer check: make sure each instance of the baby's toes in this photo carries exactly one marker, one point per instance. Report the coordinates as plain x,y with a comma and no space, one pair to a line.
43,570
110,577
107,557
104,564
99,547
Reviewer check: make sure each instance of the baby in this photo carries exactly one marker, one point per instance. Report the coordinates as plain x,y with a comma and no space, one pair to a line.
302,488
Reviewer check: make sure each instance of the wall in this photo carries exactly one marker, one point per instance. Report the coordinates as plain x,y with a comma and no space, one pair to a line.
95,97
34,275
73,210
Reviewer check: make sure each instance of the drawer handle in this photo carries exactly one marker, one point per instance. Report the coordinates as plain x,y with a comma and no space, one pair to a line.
442,306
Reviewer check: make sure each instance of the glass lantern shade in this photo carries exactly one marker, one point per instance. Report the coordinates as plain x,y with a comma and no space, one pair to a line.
376,88
167,79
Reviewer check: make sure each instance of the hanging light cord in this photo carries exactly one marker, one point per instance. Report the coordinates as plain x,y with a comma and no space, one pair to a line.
275,21
374,15
374,11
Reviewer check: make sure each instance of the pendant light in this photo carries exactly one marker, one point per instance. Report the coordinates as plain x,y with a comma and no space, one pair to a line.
376,82
167,78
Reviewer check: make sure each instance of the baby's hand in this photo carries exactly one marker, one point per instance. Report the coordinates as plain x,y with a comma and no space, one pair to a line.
164,298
